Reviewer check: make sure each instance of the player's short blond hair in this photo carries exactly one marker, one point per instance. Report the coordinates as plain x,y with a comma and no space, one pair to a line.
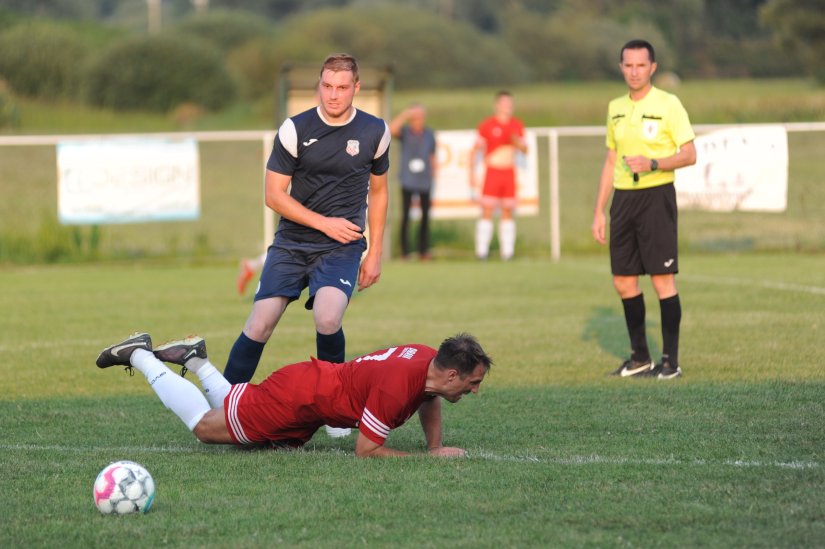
341,62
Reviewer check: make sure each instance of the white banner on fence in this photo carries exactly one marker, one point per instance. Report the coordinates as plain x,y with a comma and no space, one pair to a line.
743,168
452,197
127,180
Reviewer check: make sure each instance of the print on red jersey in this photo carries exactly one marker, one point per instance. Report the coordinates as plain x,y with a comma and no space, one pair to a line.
383,356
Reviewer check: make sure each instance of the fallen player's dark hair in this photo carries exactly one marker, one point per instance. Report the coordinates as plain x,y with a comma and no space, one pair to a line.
462,352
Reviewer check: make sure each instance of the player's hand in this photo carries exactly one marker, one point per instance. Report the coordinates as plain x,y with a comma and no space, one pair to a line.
369,272
598,228
447,451
342,230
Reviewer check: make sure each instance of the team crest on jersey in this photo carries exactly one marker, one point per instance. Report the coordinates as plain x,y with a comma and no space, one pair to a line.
353,146
650,128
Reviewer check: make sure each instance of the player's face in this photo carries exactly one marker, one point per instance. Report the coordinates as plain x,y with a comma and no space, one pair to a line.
458,386
637,69
418,117
504,107
336,91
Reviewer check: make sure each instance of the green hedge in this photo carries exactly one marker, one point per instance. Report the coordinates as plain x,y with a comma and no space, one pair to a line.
41,59
159,73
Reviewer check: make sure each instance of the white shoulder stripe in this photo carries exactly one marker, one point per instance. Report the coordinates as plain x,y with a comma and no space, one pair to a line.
289,137
374,424
385,142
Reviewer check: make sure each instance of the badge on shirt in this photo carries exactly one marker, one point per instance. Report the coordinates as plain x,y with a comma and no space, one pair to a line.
352,147
650,128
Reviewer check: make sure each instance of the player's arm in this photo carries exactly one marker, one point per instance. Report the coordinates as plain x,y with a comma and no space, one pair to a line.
685,156
364,447
279,200
397,123
370,270
602,196
429,413
519,141
478,148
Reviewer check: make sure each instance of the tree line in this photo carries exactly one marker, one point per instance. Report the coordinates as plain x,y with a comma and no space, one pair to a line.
211,53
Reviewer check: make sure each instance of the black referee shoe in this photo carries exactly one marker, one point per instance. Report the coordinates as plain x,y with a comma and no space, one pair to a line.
664,370
632,368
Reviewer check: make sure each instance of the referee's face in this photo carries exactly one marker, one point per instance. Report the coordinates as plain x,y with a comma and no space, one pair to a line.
637,69
337,90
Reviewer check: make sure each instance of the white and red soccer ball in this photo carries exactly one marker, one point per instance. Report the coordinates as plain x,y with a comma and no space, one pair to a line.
124,487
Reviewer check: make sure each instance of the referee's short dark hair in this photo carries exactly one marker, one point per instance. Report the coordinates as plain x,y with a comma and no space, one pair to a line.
638,44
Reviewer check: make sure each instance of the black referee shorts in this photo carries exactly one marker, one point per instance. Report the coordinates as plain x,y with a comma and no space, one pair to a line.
643,232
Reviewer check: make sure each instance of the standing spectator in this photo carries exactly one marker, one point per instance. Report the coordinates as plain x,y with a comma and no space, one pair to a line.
500,137
325,163
648,136
417,172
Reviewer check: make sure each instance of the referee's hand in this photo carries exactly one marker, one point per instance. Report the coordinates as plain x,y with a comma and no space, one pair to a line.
598,228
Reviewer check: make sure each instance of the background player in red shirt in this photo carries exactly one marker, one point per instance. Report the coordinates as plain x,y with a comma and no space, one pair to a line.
375,393
500,137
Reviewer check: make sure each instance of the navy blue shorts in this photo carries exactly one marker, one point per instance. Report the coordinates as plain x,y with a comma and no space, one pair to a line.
286,272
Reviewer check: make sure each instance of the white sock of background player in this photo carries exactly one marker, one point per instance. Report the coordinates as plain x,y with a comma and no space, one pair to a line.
507,238
484,234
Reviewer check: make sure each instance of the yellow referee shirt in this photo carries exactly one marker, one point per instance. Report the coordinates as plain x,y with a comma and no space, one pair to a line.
655,127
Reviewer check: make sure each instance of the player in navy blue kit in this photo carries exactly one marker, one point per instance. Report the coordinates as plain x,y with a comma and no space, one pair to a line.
335,158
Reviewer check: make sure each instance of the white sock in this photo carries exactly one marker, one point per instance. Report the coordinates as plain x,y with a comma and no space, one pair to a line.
215,386
177,394
507,238
484,234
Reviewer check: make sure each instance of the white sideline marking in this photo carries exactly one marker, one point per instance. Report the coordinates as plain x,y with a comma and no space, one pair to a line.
767,284
597,459
593,459
734,281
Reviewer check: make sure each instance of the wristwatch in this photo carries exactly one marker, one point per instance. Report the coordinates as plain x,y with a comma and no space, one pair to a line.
654,164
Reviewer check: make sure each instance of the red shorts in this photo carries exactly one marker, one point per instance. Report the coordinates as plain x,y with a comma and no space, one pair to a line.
499,186
276,411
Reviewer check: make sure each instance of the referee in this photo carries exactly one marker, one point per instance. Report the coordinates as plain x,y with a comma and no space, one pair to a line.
648,137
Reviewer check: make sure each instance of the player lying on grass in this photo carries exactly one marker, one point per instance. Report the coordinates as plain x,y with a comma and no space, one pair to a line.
375,393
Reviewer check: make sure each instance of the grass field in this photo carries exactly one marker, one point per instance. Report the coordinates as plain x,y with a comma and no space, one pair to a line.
731,455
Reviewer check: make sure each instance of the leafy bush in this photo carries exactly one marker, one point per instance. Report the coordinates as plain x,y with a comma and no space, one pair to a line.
9,112
42,59
158,73
224,29
424,49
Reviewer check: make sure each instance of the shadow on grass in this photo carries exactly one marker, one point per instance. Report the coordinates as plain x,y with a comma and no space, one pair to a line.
607,328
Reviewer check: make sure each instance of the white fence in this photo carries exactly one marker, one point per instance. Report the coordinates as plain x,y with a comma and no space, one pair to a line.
552,134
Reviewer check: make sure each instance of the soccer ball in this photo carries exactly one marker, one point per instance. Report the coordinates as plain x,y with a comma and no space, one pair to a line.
124,487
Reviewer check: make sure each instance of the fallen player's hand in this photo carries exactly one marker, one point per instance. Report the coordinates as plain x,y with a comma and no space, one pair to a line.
447,451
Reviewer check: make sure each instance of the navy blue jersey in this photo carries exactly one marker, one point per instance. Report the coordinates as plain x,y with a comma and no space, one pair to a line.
330,168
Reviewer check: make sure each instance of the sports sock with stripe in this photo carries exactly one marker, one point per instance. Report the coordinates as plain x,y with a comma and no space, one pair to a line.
176,393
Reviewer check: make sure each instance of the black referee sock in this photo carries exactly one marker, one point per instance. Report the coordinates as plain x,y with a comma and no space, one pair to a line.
331,347
671,309
634,316
243,360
